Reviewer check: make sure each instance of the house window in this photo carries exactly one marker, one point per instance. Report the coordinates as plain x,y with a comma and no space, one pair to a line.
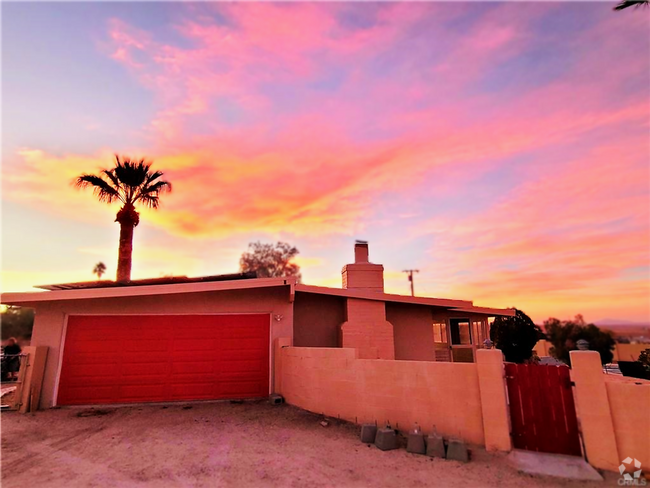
460,332
440,332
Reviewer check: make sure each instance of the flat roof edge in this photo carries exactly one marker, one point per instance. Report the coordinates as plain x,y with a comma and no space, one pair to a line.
386,297
146,290
504,312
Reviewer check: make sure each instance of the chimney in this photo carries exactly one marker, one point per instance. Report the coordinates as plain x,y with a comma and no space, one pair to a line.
361,252
363,275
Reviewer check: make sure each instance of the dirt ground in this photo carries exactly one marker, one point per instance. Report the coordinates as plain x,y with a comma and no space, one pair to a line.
225,444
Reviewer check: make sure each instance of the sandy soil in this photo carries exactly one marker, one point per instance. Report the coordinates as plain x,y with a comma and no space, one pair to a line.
224,444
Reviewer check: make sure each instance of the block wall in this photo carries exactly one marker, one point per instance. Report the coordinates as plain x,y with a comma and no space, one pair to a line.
336,383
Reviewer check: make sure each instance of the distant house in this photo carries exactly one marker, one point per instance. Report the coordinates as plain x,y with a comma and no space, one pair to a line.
209,338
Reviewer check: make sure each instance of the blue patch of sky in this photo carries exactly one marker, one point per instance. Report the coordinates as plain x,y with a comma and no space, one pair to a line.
538,66
355,16
56,81
330,80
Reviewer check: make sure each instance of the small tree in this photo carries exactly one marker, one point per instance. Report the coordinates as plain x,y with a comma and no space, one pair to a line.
17,322
644,360
99,270
565,334
269,261
515,336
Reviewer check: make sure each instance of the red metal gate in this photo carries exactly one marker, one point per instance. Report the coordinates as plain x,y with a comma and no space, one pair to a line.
542,409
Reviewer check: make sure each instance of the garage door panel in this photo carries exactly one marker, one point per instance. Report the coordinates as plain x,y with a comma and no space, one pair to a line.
250,366
147,345
199,390
138,393
144,357
241,388
145,369
192,367
95,346
93,370
122,359
93,358
83,395
243,344
242,354
183,356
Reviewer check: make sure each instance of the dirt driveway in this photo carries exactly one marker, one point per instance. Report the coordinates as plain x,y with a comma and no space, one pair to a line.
223,444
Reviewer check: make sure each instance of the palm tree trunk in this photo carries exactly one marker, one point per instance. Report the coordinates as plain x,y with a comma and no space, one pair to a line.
126,250
128,218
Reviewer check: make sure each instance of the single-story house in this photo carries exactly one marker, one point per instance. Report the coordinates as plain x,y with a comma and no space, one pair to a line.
175,339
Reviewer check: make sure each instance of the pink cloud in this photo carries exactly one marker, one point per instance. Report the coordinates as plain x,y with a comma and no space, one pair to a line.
323,117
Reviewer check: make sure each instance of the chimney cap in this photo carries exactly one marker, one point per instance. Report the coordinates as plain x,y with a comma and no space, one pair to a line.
361,242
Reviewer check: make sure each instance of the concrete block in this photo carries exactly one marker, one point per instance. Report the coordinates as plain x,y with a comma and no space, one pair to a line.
368,433
276,399
435,446
415,443
457,451
386,439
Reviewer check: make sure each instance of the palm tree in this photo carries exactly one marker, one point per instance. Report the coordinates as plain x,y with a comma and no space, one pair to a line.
99,270
631,3
129,182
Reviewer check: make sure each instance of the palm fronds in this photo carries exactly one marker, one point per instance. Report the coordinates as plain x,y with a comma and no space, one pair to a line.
632,3
101,188
130,181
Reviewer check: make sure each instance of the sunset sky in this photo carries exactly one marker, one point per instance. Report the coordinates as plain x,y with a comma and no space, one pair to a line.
501,149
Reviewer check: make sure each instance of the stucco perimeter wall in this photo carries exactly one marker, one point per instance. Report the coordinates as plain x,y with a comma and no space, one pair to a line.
51,317
445,395
613,413
629,402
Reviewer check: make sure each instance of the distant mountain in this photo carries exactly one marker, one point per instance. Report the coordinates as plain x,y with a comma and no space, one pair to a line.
620,323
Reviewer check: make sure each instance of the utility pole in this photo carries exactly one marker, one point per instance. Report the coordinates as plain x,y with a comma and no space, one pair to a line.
410,273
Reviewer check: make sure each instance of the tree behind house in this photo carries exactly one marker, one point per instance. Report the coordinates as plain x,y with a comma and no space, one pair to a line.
17,322
515,336
270,261
565,334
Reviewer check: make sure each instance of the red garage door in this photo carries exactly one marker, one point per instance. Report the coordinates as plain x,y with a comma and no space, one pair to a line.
159,358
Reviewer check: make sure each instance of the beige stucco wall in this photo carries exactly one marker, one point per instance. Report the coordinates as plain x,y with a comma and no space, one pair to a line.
445,395
629,402
413,331
50,317
317,320
613,413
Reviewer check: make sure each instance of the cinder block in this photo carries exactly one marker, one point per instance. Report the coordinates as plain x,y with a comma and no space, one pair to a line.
435,446
276,399
386,439
415,443
457,451
368,433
